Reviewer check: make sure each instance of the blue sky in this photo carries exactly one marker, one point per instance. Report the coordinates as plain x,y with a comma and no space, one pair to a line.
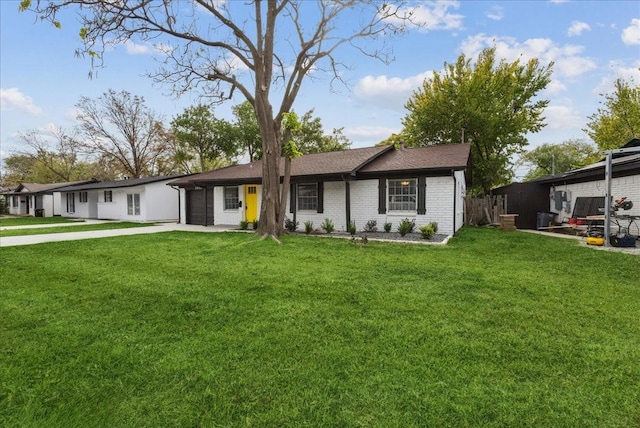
591,43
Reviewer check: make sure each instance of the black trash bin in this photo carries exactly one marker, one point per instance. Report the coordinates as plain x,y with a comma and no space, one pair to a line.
544,219
39,212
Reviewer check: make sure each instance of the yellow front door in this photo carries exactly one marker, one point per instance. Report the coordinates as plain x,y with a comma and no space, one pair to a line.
251,202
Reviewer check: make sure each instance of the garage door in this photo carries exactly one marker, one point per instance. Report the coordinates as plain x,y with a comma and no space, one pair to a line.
196,202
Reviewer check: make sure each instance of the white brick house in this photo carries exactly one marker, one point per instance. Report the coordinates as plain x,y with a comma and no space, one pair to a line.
384,184
31,199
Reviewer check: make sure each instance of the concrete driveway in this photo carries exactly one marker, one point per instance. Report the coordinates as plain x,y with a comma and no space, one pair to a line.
10,241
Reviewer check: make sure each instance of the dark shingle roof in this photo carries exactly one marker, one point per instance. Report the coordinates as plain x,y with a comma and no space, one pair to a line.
334,165
45,188
444,156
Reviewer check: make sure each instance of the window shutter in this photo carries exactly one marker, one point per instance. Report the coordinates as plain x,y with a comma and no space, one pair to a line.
422,195
292,197
382,196
320,197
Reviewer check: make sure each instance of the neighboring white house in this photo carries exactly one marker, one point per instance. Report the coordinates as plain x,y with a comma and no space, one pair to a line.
39,199
137,199
384,184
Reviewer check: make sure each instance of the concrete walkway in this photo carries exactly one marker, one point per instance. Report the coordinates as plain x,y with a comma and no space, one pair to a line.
11,241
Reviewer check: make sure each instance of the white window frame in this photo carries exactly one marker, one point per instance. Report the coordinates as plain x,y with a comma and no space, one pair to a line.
15,200
308,201
133,203
231,202
402,195
83,197
110,198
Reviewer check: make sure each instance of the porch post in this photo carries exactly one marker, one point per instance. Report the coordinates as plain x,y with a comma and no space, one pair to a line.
347,202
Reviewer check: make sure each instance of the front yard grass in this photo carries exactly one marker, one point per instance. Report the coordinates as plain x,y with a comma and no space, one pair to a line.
78,228
190,329
27,221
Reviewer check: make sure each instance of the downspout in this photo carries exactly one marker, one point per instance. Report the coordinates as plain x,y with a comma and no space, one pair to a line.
206,205
179,206
347,196
455,190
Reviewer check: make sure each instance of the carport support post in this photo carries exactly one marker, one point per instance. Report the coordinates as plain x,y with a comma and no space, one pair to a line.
607,200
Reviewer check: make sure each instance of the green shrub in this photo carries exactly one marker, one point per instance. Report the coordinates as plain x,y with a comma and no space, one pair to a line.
308,227
256,223
372,226
327,226
387,227
244,224
406,226
427,231
352,227
291,225
434,224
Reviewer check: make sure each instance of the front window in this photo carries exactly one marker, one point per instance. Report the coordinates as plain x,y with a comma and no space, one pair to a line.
403,194
83,197
71,202
108,196
133,204
307,197
15,201
231,199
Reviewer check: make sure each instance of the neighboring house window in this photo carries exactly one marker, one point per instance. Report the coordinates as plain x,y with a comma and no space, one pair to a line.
133,204
83,196
231,198
307,197
108,196
403,194
15,202
71,202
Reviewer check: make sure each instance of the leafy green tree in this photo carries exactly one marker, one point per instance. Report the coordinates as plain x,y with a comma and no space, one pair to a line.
618,120
490,105
202,138
548,159
310,136
217,50
247,130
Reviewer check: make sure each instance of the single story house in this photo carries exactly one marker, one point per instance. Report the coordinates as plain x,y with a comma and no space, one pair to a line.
39,199
385,184
576,193
136,199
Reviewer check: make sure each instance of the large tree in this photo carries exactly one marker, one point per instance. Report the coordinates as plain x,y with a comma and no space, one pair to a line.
618,120
264,51
247,130
203,141
121,128
550,159
491,105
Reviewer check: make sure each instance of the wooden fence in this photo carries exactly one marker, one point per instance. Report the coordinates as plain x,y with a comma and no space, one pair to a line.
479,210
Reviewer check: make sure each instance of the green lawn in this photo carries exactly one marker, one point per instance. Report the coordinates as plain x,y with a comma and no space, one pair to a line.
65,229
27,221
189,329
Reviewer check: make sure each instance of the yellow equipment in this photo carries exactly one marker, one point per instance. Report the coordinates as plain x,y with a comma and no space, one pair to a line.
595,240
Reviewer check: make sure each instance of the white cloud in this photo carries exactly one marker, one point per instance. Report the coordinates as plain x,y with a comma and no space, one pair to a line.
433,15
136,49
631,34
619,71
555,87
577,28
163,48
567,59
388,92
496,13
369,134
13,99
563,117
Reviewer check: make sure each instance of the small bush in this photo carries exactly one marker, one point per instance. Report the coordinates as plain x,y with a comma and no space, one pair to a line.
427,231
244,224
308,227
406,226
256,223
387,227
327,226
352,228
434,224
372,226
291,225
